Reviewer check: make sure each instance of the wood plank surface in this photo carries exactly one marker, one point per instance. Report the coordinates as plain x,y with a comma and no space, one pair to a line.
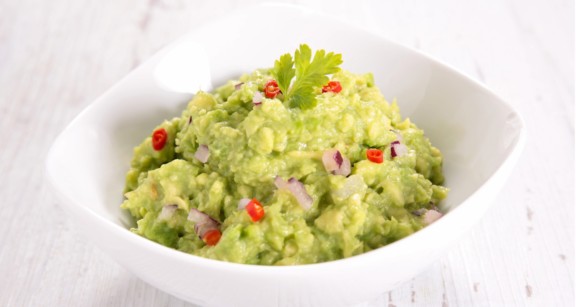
57,56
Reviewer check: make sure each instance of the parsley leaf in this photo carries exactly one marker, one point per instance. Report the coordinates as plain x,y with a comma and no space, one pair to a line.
283,72
310,72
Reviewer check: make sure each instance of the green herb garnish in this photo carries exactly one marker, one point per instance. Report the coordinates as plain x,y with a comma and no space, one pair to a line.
310,75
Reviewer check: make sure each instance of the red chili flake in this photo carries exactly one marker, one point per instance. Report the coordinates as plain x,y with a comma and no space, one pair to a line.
159,138
255,210
271,89
375,155
332,86
212,237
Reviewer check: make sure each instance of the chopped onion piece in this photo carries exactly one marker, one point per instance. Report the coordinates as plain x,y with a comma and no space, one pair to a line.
197,216
202,222
242,203
431,216
238,85
167,212
202,153
332,159
335,163
338,158
299,191
419,212
345,169
280,183
398,149
257,99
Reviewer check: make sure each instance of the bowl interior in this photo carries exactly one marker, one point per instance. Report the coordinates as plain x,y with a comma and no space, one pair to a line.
475,130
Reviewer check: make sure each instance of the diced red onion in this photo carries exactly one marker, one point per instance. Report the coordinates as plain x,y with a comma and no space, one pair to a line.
202,229
202,153
338,158
257,99
167,212
297,189
431,216
202,222
332,159
335,163
344,169
242,203
280,183
197,216
238,85
419,212
398,149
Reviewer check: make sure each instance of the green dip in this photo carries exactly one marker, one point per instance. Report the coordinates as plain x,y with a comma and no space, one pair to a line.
250,144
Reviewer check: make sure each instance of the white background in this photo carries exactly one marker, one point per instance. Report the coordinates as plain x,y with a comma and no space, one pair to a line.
57,56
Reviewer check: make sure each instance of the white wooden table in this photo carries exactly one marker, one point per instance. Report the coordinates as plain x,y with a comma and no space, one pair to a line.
57,56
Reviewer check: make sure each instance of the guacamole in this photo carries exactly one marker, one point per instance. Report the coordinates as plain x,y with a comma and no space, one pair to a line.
250,174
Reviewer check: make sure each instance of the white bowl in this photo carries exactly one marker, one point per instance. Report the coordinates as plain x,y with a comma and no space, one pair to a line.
480,136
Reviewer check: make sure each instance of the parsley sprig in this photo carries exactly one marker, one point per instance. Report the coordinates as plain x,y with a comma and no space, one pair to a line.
311,73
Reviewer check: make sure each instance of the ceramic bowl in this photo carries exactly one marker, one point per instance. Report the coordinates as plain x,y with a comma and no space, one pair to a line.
480,135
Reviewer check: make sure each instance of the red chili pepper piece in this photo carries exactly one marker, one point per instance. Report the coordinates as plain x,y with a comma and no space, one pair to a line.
375,155
212,237
255,210
332,86
159,138
271,89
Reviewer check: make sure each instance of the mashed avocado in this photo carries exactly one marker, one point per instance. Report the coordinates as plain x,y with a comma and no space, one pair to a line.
333,179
